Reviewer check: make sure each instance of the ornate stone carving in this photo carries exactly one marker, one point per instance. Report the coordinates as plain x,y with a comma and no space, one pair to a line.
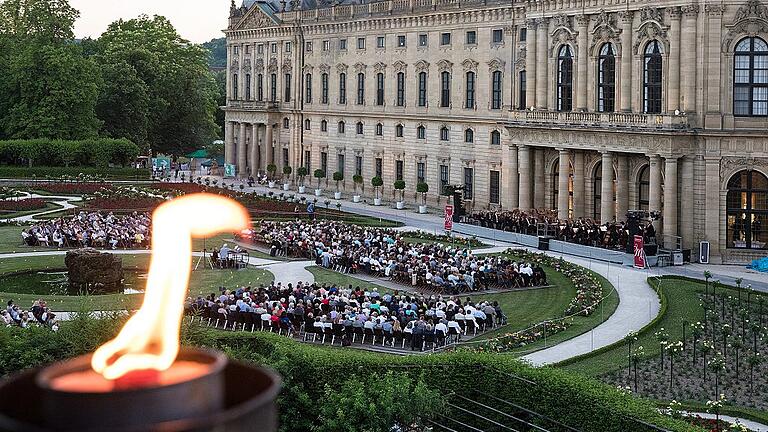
530,24
341,68
399,66
562,20
520,62
562,36
287,65
260,64
247,65
626,16
421,66
236,63
648,31
753,9
496,64
604,30
732,165
750,20
360,68
582,21
324,68
651,14
469,65
272,65
255,19
690,10
308,68
714,9
444,65
379,67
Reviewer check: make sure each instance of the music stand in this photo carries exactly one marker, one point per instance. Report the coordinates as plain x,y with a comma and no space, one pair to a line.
203,257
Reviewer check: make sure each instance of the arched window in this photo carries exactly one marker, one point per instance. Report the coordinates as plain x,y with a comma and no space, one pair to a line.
496,90
444,133
421,132
644,188
470,96
379,88
652,63
324,88
308,91
445,89
379,129
260,87
469,136
247,86
747,210
400,89
564,79
422,89
360,88
341,127
307,124
286,123
359,128
606,79
273,87
342,88
234,86
323,126
750,78
399,131
496,137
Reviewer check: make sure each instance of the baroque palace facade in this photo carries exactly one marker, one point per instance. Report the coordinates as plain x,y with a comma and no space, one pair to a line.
657,105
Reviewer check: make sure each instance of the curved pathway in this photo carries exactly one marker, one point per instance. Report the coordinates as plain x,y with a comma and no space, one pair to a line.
750,424
64,203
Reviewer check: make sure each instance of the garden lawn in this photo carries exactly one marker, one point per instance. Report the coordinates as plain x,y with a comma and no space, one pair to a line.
202,282
330,277
11,215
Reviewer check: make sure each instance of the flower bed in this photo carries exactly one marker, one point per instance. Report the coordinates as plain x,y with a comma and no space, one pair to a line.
23,204
589,293
72,188
459,241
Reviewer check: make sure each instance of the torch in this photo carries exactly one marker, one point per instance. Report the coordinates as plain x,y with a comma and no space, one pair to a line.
142,380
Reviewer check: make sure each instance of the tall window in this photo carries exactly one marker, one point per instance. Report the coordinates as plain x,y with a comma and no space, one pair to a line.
286,123
444,133
496,90
307,124
379,129
323,126
287,88
421,172
324,88
399,129
273,87
469,187
597,190
247,86
342,88
234,86
565,79
286,158
260,87
422,89
399,170
445,89
496,137
747,210
360,88
443,177
324,162
521,102
644,188
469,136
340,163
421,132
652,63
494,187
379,167
470,97
606,79
341,128
308,92
750,78
400,89
359,128
379,88
358,165
308,160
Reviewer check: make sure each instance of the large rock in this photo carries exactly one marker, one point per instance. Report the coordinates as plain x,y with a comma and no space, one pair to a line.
94,271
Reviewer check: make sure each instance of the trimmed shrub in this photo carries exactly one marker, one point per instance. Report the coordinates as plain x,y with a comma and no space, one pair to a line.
99,152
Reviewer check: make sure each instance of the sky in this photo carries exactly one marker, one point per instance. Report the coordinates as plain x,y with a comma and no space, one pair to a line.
195,20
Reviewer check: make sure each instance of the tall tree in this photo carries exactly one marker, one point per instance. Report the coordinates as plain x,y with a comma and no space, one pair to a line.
180,91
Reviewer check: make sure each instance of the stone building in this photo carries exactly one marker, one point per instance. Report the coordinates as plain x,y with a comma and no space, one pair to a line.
646,105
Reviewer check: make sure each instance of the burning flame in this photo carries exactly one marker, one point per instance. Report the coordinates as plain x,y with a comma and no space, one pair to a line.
150,339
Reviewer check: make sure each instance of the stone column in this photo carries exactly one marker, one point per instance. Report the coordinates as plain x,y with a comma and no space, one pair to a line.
268,144
564,170
542,77
524,164
530,63
622,187
513,181
539,182
688,48
654,187
229,143
713,215
625,96
673,90
607,208
253,151
686,202
582,24
579,195
670,200
242,155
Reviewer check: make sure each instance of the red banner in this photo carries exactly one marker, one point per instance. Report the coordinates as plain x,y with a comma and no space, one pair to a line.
449,218
639,252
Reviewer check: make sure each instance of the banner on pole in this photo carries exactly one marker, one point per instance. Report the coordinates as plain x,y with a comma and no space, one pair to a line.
449,218
640,261
229,170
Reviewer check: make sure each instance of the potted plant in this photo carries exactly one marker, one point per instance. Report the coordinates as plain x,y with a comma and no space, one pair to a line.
400,187
422,188
302,172
357,179
319,175
287,177
337,177
377,182
271,169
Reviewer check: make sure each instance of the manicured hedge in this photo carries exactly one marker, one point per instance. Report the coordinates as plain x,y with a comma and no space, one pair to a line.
569,398
43,172
98,152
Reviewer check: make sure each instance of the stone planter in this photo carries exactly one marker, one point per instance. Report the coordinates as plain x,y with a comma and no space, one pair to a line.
318,192
422,209
302,189
400,205
337,195
356,198
377,201
286,187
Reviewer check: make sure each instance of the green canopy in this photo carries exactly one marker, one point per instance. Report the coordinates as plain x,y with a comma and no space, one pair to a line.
198,154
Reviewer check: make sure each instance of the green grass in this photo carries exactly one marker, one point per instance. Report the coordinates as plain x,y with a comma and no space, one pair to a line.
202,282
11,215
330,277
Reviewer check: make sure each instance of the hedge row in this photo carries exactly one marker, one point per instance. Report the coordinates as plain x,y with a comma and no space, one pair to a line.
586,404
47,172
98,152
